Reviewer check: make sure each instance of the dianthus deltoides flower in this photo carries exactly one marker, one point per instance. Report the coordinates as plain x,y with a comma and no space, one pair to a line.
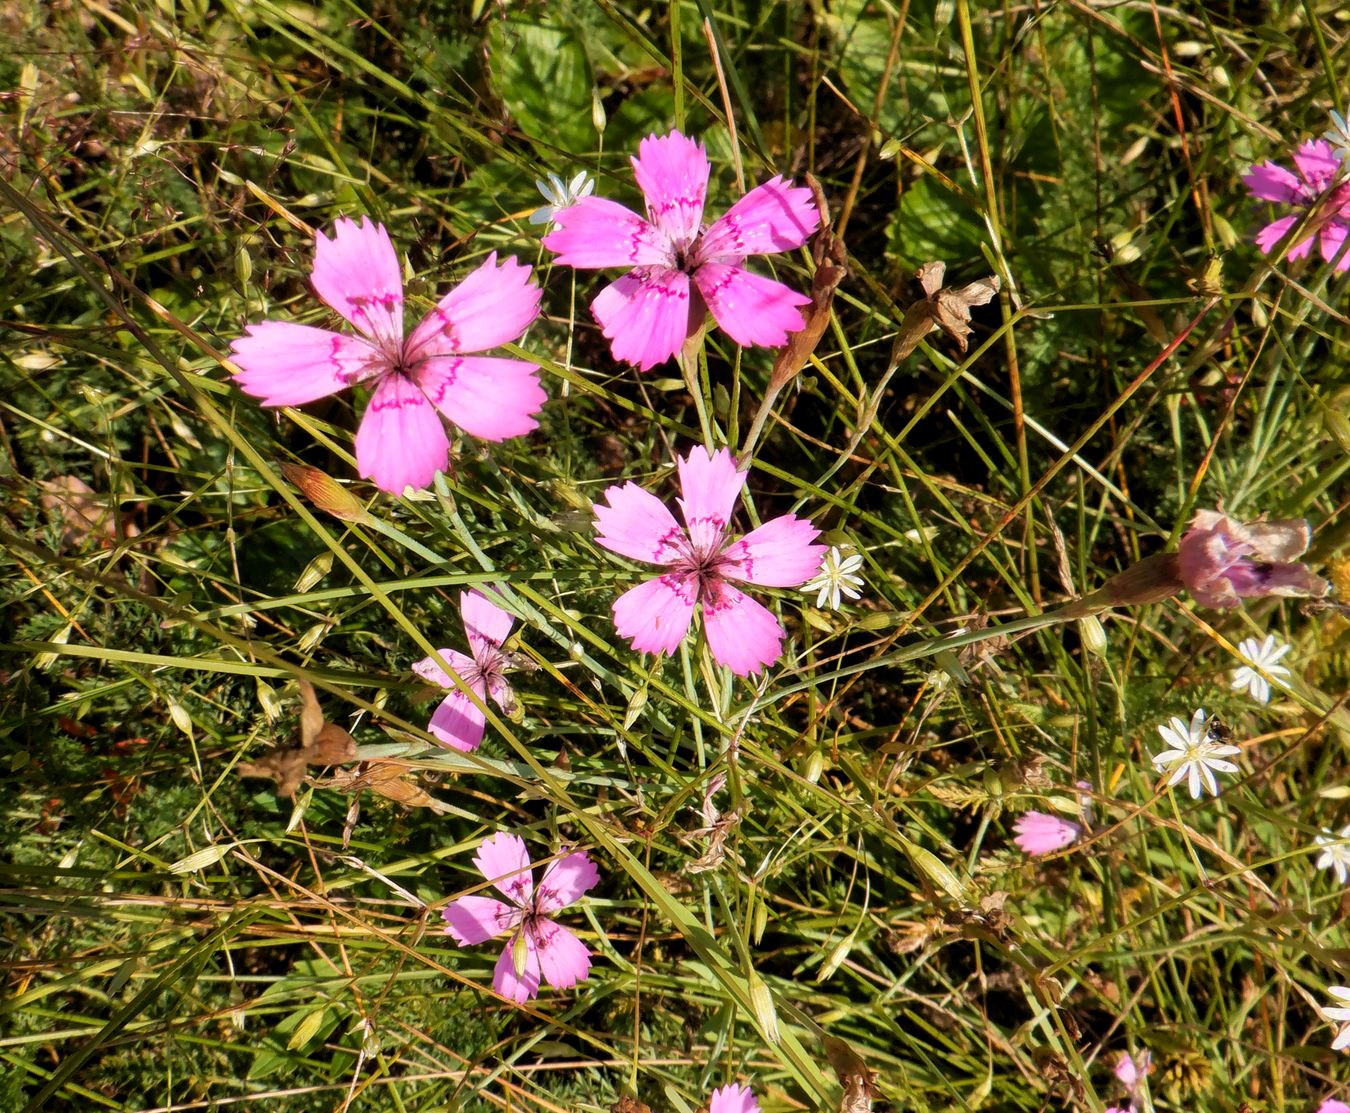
703,564
457,721
538,947
1317,166
734,1098
1223,561
680,269
1040,833
401,441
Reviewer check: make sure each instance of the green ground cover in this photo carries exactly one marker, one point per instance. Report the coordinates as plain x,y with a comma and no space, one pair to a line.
855,926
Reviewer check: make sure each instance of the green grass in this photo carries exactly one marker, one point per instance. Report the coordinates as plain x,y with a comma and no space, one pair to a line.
175,937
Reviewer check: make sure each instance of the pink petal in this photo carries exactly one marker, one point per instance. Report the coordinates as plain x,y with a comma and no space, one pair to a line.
777,554
1038,833
1274,232
742,635
637,525
1127,1074
1331,1105
458,722
648,314
401,441
565,881
485,622
432,673
563,959
710,483
357,272
751,310
770,218
493,305
596,233
733,1099
672,173
1272,182
504,860
505,980
1317,162
285,364
487,396
471,920
1333,245
655,615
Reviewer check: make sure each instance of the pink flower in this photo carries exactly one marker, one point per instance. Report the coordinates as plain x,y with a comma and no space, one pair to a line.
537,946
1317,166
733,1099
1128,1072
1039,833
680,269
458,722
702,563
1331,1105
1222,561
401,441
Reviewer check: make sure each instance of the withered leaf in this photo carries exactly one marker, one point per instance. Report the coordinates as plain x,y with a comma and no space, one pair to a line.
85,515
627,1104
943,307
831,261
321,743
859,1083
391,779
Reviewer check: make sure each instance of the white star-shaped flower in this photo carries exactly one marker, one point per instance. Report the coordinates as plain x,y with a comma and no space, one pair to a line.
1262,657
1336,856
836,578
1194,754
1339,1012
560,195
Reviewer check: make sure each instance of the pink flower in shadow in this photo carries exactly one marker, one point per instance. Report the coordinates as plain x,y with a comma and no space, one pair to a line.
458,721
1317,166
538,947
418,378
702,564
681,270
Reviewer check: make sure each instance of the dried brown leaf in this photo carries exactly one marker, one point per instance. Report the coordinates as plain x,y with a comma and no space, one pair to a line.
859,1083
321,743
391,779
85,514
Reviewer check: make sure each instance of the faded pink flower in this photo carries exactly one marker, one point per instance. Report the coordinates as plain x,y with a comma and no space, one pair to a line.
1222,561
733,1099
401,441
1317,165
458,722
702,563
1039,833
1129,1071
537,947
680,269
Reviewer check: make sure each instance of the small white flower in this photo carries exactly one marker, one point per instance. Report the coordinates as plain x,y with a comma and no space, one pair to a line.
1338,135
1336,856
836,578
1339,1012
560,195
1194,754
1262,657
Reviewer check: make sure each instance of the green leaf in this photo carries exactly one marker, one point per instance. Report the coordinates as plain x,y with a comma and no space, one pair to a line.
544,77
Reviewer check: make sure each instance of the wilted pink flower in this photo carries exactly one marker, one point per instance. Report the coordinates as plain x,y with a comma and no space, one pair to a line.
733,1099
1317,165
703,562
537,947
1222,561
401,441
458,722
1039,833
1129,1072
681,270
